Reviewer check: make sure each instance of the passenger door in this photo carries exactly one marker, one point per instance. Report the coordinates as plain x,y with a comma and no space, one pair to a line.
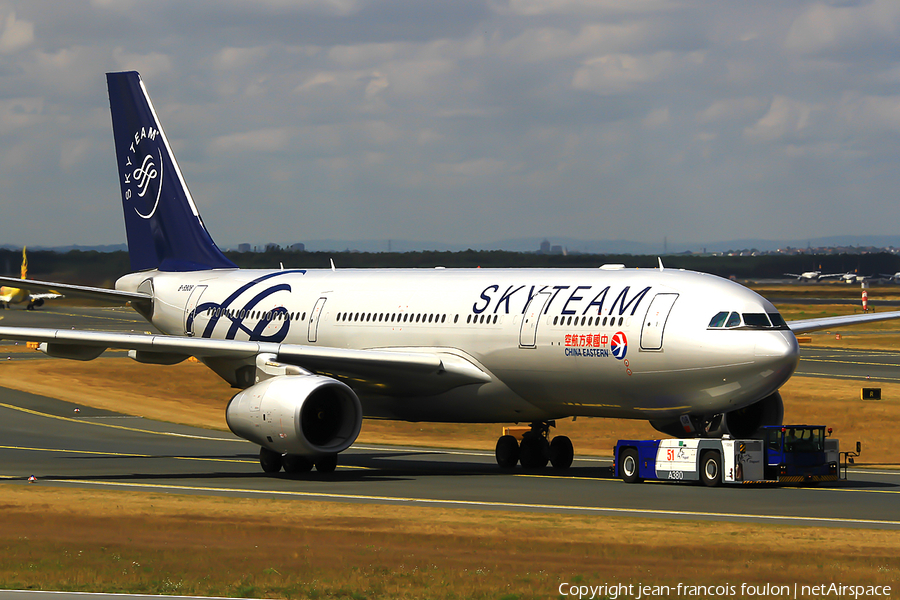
313,332
531,318
190,310
655,321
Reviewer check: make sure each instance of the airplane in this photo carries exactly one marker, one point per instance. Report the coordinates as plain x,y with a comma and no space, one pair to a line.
313,351
854,277
813,275
18,295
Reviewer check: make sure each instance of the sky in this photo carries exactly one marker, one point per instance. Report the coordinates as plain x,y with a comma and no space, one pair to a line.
462,121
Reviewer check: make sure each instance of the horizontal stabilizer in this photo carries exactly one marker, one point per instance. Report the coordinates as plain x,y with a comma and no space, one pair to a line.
77,291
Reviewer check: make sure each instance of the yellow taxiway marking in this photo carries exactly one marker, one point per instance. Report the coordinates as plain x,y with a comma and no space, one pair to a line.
849,362
476,503
110,425
125,454
662,481
132,455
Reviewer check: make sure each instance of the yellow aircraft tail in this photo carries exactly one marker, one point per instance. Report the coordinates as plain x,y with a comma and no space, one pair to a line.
24,264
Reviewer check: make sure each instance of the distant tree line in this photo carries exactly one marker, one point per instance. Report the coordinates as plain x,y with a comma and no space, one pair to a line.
103,268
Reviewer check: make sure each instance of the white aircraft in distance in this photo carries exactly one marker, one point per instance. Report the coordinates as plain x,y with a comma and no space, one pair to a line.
313,351
853,277
18,295
813,275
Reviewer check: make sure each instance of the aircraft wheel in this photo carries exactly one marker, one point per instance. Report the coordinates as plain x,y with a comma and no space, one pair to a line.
297,463
561,453
628,466
711,468
327,463
29,307
534,451
269,460
507,452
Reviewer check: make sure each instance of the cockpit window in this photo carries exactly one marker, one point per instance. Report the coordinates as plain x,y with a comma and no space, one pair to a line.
756,320
734,320
778,320
719,319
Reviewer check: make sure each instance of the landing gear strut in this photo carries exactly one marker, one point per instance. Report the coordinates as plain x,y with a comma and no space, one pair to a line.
536,449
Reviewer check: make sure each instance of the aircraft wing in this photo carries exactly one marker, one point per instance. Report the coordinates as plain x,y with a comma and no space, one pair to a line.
807,325
46,296
75,291
387,372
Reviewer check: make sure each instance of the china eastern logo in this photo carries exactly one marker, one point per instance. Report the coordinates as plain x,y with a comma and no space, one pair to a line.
143,172
619,345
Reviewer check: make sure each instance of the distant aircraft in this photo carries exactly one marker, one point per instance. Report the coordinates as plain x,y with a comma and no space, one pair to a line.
314,350
853,277
813,275
18,295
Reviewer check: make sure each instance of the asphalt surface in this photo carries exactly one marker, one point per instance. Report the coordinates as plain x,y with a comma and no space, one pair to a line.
48,439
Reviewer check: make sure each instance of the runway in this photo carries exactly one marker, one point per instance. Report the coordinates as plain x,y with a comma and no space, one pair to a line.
97,449
863,365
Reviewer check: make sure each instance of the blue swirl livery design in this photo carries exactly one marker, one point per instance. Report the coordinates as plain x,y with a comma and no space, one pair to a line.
237,312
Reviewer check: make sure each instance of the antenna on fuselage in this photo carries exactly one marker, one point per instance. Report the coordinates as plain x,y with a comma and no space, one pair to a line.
331,260
660,262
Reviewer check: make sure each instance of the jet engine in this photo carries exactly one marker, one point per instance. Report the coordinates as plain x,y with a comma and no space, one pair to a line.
297,414
740,423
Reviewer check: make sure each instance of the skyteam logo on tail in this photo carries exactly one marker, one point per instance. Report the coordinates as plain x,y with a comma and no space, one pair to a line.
143,172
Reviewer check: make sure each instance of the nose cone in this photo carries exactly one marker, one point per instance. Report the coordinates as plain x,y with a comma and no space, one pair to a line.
779,350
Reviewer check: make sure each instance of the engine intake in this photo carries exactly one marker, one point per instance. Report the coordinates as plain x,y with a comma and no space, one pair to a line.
297,414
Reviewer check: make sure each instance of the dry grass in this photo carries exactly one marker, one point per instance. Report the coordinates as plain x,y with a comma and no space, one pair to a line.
70,539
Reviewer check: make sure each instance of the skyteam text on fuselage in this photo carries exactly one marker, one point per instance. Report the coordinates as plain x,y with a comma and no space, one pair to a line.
313,351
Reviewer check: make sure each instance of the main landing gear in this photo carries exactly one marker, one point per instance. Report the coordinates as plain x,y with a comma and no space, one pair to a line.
273,462
536,449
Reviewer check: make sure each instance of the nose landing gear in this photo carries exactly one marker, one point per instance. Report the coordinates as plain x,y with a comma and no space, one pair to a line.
536,449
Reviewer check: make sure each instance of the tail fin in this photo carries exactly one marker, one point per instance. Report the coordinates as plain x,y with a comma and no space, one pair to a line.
24,264
164,229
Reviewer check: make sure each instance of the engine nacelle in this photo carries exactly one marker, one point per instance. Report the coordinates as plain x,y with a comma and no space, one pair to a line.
297,414
741,423
745,422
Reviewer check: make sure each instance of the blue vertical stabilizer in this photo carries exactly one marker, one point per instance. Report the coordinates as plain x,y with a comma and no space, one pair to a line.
164,229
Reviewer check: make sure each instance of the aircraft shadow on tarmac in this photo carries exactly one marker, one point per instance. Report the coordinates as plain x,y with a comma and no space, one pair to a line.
358,467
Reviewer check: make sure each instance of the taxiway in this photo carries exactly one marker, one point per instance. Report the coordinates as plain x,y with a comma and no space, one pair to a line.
46,438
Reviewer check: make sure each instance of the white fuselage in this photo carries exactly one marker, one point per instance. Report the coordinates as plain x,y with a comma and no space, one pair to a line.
631,343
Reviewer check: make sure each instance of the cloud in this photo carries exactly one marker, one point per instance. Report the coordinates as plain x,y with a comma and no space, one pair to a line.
656,118
621,73
731,109
20,113
17,34
828,28
151,65
260,140
785,117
